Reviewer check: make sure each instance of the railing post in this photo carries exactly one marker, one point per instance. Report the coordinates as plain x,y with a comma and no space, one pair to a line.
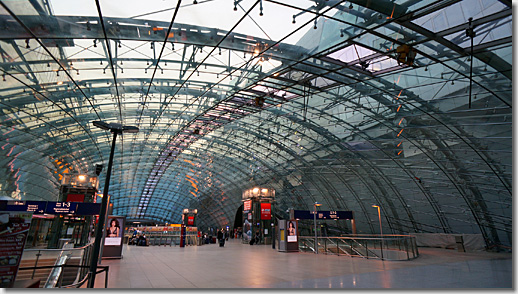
36,264
367,249
337,247
106,278
406,248
381,248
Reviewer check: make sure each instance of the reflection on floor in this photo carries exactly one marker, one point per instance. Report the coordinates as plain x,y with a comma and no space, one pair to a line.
240,265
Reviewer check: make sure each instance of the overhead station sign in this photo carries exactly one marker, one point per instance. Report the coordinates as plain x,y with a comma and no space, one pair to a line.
48,207
333,214
61,208
25,206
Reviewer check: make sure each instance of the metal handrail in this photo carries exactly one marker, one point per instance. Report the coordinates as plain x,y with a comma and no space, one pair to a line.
367,246
84,258
104,268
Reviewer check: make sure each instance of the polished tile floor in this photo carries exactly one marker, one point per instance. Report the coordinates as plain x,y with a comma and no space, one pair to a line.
240,265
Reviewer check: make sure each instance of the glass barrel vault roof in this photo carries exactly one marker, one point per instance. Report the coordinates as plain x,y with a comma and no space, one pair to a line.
306,97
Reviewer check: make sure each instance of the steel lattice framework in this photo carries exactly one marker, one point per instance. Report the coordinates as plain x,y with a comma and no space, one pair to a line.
311,98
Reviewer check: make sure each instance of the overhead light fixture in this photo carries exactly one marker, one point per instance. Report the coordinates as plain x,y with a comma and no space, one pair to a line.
115,127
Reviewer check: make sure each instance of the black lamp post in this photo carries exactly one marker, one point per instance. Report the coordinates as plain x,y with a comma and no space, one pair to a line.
116,129
315,205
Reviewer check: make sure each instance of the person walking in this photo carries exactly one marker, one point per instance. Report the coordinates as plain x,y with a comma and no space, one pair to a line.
221,237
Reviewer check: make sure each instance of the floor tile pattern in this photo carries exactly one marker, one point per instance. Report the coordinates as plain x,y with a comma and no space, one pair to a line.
240,265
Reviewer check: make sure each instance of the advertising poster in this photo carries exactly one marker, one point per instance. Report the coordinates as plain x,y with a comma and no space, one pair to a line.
14,227
266,211
114,233
247,205
114,229
291,231
190,220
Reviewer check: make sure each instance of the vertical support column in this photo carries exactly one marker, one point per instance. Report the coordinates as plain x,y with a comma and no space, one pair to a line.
182,236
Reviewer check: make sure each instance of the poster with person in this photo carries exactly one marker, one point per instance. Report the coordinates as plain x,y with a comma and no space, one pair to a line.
114,229
291,231
114,234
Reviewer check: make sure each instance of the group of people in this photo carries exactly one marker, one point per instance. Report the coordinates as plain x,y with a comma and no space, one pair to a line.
138,239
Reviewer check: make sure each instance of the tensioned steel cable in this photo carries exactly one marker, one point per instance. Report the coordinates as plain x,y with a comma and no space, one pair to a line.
110,58
60,65
160,56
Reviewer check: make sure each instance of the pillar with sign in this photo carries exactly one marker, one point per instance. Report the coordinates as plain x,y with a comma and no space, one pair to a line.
75,188
258,207
189,217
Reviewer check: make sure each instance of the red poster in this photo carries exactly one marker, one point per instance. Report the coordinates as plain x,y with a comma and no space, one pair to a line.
190,220
75,198
14,228
266,211
247,205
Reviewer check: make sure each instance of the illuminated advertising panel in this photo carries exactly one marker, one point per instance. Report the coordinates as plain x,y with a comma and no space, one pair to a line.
266,211
114,229
291,231
247,205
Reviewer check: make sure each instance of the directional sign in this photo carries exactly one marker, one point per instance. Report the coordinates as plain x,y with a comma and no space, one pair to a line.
61,207
41,207
323,214
26,206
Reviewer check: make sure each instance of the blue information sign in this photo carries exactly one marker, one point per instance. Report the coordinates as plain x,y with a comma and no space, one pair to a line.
88,208
61,207
27,206
323,214
41,207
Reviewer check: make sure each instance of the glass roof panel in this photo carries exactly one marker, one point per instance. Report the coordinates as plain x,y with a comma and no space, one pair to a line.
308,98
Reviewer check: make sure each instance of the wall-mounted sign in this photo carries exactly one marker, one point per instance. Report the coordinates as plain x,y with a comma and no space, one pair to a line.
190,220
247,205
266,211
